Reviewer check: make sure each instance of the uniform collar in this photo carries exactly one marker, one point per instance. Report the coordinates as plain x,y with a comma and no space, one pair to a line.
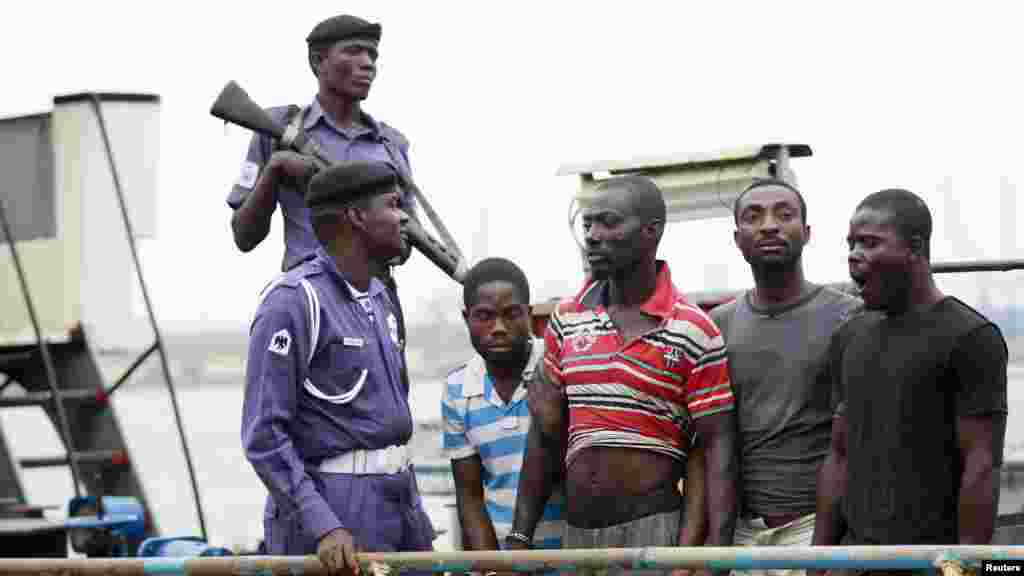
316,113
328,265
659,304
475,383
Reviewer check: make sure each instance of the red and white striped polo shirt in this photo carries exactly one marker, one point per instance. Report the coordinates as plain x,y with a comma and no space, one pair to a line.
644,393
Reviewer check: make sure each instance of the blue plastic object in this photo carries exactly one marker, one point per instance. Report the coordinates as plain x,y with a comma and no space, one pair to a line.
122,515
105,527
179,547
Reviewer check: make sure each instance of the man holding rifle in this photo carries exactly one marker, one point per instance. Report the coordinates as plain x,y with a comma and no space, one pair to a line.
342,55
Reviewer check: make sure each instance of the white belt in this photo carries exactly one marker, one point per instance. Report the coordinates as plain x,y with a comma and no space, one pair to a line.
390,460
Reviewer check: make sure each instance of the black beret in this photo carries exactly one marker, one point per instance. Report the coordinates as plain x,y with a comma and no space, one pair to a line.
341,28
342,183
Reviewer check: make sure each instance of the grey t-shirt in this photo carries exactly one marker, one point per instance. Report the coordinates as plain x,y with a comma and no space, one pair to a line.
778,367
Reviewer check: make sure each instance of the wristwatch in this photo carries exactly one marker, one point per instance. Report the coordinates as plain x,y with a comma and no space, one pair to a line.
520,538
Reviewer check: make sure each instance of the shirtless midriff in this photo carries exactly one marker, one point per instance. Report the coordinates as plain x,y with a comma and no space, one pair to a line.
600,473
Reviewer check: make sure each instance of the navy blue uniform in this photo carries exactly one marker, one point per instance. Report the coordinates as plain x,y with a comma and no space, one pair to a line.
326,415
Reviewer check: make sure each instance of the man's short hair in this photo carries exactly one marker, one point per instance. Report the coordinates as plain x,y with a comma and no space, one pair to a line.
647,200
907,212
761,182
493,270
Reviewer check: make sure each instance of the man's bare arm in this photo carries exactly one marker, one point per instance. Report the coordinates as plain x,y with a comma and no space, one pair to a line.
979,482
828,526
536,482
542,461
250,222
694,531
721,475
979,365
477,528
547,405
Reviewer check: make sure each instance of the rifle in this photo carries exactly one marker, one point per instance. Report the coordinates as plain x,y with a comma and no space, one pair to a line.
234,105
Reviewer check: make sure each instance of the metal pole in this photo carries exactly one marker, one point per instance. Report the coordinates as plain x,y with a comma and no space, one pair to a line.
131,369
782,164
149,310
378,563
978,266
44,350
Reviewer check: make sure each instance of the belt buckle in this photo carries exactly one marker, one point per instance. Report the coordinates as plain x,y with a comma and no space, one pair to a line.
401,458
392,459
382,461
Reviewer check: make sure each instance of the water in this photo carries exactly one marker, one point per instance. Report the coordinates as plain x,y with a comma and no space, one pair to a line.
231,493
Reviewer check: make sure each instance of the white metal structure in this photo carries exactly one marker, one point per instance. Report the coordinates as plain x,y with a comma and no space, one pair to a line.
59,192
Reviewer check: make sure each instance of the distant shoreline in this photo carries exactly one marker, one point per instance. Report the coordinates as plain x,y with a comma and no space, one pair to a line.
216,361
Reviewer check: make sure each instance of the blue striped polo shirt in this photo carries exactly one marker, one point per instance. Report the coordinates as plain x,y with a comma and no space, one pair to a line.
478,421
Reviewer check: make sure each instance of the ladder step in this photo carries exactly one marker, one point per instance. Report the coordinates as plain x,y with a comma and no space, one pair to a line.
16,356
105,457
12,358
22,510
40,398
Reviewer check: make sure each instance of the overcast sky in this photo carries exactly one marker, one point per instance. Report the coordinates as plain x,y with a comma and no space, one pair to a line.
494,97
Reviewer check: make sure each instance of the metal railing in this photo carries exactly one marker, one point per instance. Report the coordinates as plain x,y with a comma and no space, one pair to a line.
951,560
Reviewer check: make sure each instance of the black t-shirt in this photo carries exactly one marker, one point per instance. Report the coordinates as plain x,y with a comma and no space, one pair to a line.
902,382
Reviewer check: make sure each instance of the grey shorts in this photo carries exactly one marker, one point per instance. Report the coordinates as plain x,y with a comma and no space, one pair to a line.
655,530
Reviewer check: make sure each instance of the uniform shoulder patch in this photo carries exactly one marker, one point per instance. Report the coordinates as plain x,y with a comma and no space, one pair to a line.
280,342
249,173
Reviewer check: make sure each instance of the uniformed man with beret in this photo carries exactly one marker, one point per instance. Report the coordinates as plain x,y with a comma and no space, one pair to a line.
326,418
342,54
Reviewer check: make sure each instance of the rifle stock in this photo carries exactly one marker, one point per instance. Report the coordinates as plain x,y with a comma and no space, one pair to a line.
235,106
